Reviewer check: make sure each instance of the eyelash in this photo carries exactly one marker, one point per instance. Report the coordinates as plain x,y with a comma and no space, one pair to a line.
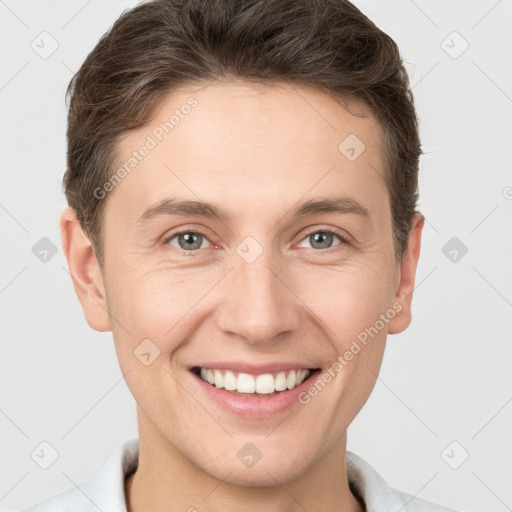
330,231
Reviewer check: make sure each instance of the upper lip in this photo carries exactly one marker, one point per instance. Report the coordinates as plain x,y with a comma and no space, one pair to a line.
256,369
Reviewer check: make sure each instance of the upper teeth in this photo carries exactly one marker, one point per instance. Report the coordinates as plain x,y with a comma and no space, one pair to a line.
247,383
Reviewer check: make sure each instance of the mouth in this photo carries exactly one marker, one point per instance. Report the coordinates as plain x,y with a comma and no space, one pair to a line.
251,385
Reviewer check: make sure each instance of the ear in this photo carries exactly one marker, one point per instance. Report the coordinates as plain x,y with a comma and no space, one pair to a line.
85,271
406,277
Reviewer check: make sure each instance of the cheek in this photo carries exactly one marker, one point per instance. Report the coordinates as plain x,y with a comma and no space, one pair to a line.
347,300
153,308
351,304
158,304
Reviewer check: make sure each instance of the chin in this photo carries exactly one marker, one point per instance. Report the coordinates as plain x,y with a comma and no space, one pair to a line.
262,476
277,468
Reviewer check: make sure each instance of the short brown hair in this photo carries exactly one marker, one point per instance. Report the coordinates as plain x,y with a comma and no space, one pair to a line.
160,45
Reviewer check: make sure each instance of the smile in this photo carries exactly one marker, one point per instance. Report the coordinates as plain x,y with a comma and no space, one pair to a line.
257,385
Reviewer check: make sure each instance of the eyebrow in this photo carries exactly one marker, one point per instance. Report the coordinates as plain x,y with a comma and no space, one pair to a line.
173,206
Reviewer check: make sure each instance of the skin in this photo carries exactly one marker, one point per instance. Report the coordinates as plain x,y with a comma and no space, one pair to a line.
248,149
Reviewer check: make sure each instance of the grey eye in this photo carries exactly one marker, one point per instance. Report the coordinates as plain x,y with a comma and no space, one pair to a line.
321,239
189,240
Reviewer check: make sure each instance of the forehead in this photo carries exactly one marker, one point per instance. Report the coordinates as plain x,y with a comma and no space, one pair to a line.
248,145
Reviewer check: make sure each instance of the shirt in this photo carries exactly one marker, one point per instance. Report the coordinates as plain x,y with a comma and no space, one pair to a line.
105,490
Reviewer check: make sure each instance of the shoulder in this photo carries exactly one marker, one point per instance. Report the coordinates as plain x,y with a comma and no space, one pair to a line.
71,500
105,491
377,495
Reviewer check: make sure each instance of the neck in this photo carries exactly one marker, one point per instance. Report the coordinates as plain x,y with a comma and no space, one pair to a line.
165,480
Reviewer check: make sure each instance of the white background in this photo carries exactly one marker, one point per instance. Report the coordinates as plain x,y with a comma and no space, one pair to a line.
447,378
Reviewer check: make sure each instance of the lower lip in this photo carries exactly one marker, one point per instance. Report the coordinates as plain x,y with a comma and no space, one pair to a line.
255,407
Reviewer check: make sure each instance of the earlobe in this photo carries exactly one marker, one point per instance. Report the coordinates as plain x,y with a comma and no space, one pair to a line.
85,271
407,276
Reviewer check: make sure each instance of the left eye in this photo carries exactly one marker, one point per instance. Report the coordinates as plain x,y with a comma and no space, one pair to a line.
189,240
322,239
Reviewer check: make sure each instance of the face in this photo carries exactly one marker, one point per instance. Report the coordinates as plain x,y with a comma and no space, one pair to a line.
284,262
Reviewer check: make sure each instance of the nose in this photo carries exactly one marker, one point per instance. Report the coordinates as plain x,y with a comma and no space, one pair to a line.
258,304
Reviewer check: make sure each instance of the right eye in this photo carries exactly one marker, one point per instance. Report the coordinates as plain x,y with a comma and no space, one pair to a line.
188,241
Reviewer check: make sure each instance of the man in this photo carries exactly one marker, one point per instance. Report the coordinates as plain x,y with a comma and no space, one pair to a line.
242,183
